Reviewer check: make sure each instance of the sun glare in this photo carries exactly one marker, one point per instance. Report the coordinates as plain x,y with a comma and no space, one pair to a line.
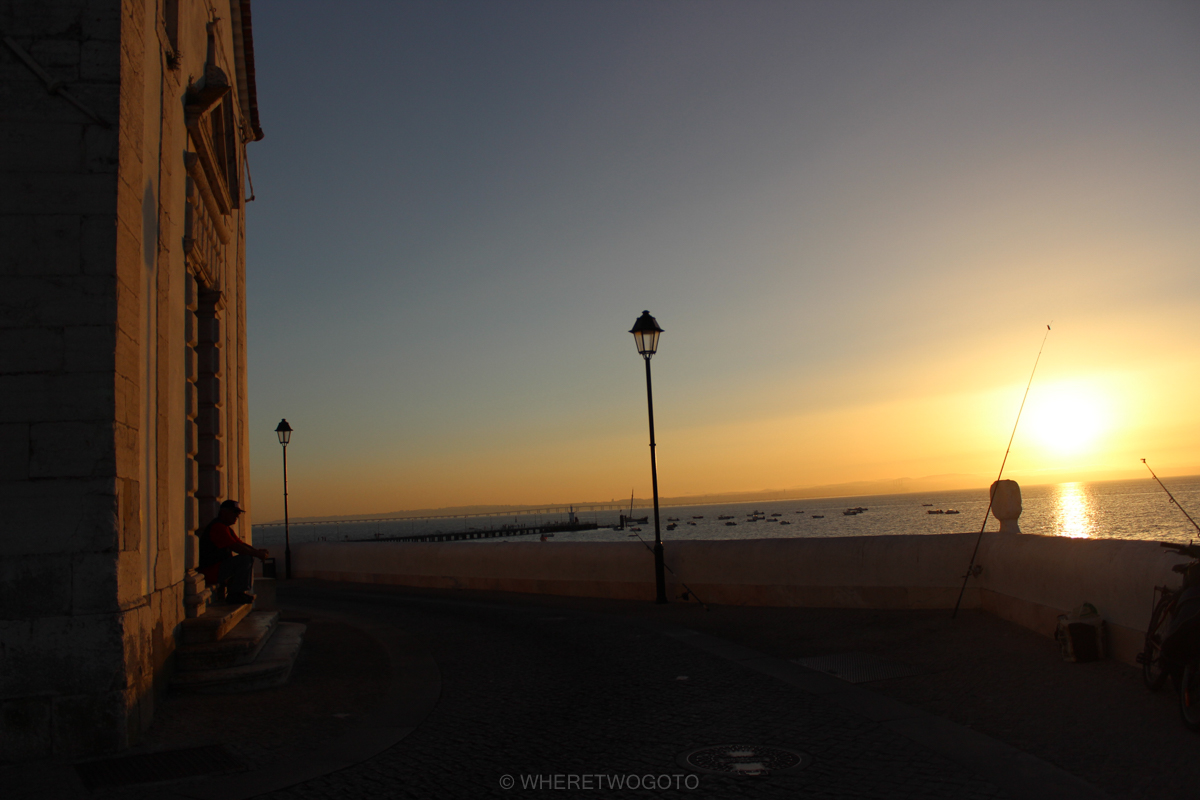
1068,420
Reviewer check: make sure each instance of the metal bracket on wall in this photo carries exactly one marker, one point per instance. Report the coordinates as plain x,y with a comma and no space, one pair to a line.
53,86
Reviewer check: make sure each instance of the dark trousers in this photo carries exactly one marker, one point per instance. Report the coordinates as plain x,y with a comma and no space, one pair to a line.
237,573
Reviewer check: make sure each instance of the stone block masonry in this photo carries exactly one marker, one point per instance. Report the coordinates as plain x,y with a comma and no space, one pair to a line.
117,413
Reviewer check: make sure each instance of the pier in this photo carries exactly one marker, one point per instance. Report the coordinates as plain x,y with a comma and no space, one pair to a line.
515,513
487,533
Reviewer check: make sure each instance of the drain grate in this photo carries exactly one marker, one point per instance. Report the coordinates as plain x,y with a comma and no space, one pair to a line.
744,759
857,667
169,765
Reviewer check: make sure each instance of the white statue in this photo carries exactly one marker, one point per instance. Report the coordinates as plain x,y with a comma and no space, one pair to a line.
1006,505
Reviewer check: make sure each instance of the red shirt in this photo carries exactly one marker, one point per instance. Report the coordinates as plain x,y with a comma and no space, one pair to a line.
223,538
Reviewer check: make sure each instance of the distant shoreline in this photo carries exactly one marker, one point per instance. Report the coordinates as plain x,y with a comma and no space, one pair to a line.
932,483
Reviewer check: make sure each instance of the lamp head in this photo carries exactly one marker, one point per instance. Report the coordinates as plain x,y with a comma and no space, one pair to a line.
284,432
645,334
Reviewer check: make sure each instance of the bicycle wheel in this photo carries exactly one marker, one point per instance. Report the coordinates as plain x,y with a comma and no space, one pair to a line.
1189,695
1153,670
1154,674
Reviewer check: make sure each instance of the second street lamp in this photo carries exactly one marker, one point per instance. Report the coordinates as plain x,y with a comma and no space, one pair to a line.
645,336
284,432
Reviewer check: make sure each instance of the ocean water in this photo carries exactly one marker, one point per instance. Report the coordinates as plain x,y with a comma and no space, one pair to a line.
1134,509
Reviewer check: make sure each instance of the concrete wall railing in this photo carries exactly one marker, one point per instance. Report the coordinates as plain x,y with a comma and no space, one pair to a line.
1032,579
1027,579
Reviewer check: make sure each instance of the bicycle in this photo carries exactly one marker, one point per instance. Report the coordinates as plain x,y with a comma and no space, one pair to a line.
1172,645
1154,669
1155,666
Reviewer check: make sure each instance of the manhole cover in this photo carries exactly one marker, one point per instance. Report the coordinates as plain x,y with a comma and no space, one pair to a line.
744,759
857,667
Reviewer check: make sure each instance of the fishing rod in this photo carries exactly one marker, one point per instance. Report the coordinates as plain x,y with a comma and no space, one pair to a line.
992,494
687,590
1173,500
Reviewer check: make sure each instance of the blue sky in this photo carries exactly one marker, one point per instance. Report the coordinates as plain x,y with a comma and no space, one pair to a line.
852,219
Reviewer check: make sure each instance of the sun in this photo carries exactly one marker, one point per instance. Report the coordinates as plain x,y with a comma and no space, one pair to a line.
1068,420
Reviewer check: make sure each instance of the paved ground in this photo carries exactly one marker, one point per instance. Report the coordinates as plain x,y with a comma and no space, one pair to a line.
533,687
325,697
1096,720
532,691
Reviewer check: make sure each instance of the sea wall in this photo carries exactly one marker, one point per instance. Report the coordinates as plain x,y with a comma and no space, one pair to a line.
1030,580
1027,579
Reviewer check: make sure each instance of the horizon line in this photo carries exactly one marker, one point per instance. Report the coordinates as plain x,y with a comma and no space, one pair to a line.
711,498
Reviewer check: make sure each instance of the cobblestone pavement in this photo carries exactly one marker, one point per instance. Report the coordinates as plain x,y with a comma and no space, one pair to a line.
531,692
1097,721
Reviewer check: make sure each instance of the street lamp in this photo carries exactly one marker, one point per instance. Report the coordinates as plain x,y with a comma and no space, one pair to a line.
284,432
645,336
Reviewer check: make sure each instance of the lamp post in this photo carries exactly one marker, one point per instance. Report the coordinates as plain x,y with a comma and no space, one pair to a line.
284,432
645,335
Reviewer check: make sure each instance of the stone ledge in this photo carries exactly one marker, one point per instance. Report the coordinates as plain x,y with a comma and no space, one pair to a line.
214,624
239,647
272,667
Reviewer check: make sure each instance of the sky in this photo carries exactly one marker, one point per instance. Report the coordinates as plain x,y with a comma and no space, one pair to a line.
853,221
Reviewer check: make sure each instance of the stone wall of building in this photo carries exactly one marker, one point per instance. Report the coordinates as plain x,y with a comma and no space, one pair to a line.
101,352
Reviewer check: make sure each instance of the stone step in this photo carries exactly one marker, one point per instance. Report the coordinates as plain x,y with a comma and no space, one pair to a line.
240,646
213,624
271,668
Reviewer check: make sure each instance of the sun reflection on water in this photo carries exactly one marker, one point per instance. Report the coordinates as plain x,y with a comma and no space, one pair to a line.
1074,512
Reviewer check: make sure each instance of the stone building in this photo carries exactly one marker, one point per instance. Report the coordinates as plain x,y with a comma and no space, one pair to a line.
123,132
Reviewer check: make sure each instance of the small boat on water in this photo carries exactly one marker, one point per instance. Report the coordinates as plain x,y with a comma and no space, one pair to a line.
818,516
933,511
785,522
731,523
724,516
672,526
699,517
777,514
672,519
691,523
926,504
951,511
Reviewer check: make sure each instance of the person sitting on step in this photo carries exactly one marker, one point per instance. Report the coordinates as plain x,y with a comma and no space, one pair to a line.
225,560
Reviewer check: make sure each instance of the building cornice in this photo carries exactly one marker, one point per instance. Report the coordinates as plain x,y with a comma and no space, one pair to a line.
243,57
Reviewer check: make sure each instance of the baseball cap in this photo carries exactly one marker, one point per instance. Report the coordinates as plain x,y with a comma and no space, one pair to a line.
232,505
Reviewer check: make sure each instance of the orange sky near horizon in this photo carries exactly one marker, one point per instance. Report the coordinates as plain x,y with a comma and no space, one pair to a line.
1075,427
